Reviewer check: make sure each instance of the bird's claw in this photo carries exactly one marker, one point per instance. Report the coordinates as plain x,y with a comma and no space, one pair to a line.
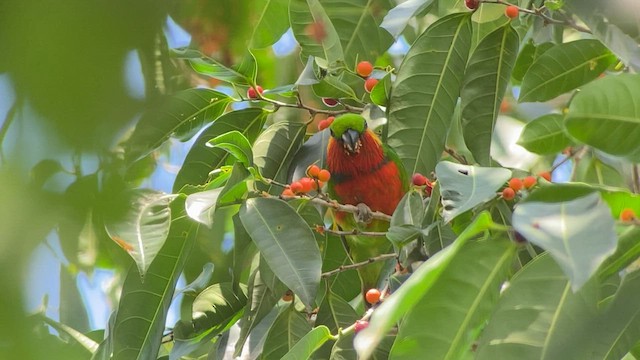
364,215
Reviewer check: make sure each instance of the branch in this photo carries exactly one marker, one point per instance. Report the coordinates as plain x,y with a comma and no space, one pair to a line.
321,229
359,265
459,158
301,105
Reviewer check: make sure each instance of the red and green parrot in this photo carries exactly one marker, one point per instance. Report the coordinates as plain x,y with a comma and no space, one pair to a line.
364,171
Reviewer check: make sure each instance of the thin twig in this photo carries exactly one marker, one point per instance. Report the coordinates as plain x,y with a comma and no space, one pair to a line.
352,232
301,105
459,158
359,264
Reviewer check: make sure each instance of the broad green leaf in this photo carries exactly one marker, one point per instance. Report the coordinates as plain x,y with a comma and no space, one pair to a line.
592,170
181,114
274,150
236,144
290,326
463,187
382,91
486,19
243,74
606,115
332,87
201,159
545,135
410,210
309,343
140,320
579,234
528,54
414,289
485,82
144,227
335,313
272,24
82,339
444,320
626,253
537,314
200,206
287,244
563,68
314,31
426,90
200,282
215,309
345,284
397,18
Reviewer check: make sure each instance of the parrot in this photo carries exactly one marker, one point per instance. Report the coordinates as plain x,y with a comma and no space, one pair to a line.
368,174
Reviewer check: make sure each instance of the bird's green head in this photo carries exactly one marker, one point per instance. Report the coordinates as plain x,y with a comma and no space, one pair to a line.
348,130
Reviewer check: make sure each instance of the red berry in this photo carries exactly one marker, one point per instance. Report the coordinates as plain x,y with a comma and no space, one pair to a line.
515,184
330,102
529,182
369,84
361,325
429,188
364,68
627,214
313,171
288,296
323,124
472,4
508,194
511,11
372,296
545,175
307,184
296,187
252,93
418,179
330,119
324,175
288,192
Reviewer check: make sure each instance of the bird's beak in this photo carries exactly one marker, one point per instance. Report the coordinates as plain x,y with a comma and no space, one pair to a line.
351,141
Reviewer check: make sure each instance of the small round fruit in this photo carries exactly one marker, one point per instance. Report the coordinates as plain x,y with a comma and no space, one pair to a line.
360,325
364,68
330,102
252,93
288,192
372,296
545,175
288,296
330,119
471,4
323,124
324,175
307,184
313,171
508,194
627,214
529,182
296,187
418,179
511,11
369,84
515,184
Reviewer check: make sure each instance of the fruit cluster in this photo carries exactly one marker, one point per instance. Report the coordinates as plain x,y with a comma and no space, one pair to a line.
420,180
315,179
517,184
365,69
254,93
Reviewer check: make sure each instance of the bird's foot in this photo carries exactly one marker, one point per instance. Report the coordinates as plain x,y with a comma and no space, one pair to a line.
364,215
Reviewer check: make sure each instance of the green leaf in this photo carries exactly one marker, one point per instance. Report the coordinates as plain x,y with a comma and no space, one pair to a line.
144,227
545,135
309,343
592,170
290,326
201,159
236,144
563,68
287,244
272,24
397,18
86,342
141,315
244,74
335,313
463,187
444,319
200,282
181,114
415,288
43,171
537,313
579,234
345,284
307,17
626,253
274,151
332,87
606,115
382,91
426,90
485,82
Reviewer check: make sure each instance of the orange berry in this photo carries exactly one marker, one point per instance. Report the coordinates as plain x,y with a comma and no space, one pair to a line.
252,93
313,171
288,296
515,184
369,84
330,102
330,119
364,68
372,296
627,214
545,175
529,182
508,194
307,184
511,11
288,192
360,325
324,175
296,187
323,124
